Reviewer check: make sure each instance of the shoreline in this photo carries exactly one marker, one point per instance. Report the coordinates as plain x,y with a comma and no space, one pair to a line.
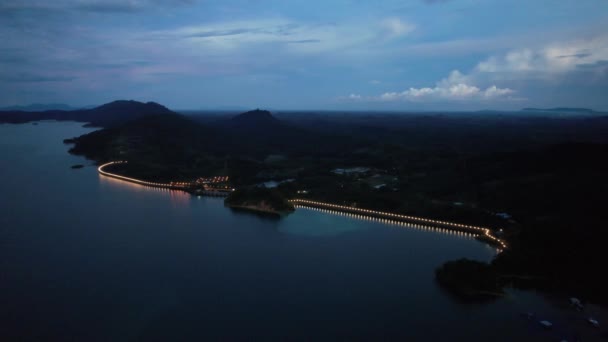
258,210
482,233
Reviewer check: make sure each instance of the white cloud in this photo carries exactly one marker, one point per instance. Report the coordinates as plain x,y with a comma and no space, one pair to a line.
455,77
493,92
395,27
554,62
455,87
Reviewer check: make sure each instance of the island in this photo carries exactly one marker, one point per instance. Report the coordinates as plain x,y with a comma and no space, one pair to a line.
260,199
470,280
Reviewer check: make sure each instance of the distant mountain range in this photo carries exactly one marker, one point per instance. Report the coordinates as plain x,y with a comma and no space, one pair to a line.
561,110
39,107
109,114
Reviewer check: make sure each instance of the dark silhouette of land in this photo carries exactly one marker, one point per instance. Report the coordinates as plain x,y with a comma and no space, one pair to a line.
38,107
539,178
561,110
260,199
470,280
109,114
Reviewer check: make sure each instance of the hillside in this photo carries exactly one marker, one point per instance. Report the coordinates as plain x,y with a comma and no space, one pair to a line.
171,146
110,114
162,146
255,119
259,133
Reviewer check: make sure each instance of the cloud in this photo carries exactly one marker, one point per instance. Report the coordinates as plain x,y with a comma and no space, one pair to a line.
434,1
455,87
285,35
577,55
494,92
549,61
99,6
222,33
561,62
395,27
33,78
304,41
109,7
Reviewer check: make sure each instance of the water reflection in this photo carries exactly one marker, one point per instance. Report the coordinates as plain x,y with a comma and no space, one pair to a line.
260,215
393,223
178,198
182,199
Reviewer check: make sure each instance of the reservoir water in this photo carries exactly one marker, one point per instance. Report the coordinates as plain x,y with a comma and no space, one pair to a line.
89,258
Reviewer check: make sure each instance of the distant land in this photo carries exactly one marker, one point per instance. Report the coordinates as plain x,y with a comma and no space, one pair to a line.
561,110
221,110
539,178
39,107
112,113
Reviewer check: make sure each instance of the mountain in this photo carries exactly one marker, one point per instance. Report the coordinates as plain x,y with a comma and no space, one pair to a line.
258,132
131,106
561,110
255,121
166,145
145,136
38,107
255,118
109,114
122,111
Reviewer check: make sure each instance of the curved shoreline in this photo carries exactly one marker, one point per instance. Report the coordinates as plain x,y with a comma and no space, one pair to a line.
482,231
485,233
176,186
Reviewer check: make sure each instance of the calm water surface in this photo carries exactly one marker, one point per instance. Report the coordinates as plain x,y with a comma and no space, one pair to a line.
88,258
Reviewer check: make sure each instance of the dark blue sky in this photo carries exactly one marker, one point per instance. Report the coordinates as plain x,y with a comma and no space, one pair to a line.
309,54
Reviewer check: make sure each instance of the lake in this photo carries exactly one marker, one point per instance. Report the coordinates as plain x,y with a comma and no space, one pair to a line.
89,258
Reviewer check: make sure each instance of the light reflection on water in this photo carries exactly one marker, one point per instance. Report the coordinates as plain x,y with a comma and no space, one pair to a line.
98,259
178,198
392,223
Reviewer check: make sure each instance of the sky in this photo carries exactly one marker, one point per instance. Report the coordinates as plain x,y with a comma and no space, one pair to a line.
306,54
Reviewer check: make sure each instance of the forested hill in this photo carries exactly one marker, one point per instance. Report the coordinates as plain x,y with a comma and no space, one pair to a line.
109,114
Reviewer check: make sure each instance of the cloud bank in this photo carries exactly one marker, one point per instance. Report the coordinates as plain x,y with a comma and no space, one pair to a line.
557,63
455,87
